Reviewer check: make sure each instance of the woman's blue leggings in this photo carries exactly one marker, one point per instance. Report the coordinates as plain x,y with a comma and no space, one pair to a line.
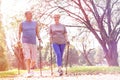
59,50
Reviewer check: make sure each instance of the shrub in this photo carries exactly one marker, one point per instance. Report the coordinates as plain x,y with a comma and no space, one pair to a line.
3,60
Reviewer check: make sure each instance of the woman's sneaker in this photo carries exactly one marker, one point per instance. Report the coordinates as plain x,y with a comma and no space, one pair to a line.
60,72
32,73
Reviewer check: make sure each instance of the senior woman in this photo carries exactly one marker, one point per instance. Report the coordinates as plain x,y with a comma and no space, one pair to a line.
58,39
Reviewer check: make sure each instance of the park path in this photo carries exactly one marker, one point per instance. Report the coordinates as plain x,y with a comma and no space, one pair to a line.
46,75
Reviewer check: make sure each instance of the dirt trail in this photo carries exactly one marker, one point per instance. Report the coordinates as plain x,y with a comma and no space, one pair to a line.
46,75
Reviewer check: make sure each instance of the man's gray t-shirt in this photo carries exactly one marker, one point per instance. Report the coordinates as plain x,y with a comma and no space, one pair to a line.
57,33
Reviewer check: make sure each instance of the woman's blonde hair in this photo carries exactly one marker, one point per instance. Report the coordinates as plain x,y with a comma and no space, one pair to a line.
57,15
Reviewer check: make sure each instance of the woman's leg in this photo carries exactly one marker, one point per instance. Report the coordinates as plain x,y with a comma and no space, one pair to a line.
62,47
57,51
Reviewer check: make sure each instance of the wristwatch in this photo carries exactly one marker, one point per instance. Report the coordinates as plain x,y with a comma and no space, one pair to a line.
39,39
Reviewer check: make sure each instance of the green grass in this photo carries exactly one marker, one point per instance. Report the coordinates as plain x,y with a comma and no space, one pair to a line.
14,72
94,70
10,73
73,70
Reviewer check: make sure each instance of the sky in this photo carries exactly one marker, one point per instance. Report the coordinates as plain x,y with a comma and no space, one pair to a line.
10,8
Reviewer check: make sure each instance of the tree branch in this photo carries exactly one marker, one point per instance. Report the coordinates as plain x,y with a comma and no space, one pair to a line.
97,17
90,50
114,3
118,23
118,35
115,30
118,39
90,9
69,12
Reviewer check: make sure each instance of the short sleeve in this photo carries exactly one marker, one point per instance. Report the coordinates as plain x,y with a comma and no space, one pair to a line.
65,30
50,30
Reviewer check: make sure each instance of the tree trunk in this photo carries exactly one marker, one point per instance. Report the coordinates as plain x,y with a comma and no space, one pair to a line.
112,54
86,58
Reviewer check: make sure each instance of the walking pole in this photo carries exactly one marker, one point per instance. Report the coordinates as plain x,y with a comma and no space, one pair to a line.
18,62
40,55
51,59
18,45
67,58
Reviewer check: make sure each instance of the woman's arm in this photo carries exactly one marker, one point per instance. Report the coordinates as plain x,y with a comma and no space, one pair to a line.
66,36
37,32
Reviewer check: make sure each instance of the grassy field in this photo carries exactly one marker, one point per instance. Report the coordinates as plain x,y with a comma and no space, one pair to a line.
10,73
94,70
73,70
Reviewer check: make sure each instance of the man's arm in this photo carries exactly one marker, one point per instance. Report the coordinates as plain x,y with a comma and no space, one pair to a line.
20,31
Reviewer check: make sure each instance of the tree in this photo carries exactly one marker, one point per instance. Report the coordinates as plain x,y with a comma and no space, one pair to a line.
100,17
3,60
84,44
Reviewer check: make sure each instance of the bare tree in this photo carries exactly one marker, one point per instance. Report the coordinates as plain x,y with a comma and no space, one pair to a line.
101,17
106,21
84,41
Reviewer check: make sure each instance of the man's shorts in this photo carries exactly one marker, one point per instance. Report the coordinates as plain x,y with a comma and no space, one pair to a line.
29,51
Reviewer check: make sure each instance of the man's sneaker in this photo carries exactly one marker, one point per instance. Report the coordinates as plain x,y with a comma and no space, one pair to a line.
28,75
60,72
32,73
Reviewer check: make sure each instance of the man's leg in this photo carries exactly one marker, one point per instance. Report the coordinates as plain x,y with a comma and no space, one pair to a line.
26,53
33,49
27,62
32,64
